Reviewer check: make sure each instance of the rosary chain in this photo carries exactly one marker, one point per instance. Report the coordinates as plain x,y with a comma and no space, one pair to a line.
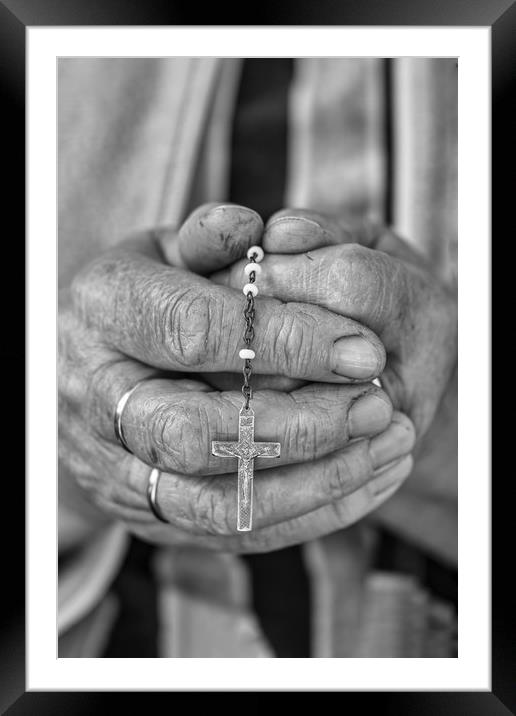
249,315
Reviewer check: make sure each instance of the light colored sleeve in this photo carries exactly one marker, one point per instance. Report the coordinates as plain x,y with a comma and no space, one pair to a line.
87,575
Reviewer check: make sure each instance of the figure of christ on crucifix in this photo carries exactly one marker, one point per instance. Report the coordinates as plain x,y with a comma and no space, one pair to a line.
246,450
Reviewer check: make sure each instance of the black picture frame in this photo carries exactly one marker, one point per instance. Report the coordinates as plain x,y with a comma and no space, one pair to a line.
15,17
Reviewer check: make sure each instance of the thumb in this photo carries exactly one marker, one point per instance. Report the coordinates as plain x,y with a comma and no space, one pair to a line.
294,231
212,237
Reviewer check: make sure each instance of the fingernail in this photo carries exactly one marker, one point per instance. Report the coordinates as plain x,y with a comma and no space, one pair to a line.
292,231
355,357
370,414
293,222
242,211
396,441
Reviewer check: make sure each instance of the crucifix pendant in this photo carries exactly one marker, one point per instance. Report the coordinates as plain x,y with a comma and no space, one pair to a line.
246,450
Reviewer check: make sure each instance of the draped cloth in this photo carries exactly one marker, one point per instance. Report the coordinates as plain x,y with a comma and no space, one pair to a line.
141,142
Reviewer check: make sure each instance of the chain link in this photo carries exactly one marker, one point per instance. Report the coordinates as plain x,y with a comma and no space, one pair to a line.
249,315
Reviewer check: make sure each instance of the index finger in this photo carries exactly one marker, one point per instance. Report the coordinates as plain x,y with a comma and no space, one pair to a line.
172,319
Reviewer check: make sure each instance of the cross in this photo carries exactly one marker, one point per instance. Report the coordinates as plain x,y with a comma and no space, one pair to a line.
246,450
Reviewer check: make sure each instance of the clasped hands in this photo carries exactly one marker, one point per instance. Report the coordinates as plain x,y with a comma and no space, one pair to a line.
338,307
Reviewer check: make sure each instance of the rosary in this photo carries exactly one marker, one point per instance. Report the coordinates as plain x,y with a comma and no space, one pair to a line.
246,449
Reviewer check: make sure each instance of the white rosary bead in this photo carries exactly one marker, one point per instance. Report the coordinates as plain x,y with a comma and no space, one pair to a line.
250,288
247,354
256,252
250,268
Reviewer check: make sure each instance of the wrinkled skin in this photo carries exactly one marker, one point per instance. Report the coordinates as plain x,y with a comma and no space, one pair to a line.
369,274
141,311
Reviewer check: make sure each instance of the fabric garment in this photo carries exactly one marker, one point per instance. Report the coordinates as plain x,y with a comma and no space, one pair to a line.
147,140
279,584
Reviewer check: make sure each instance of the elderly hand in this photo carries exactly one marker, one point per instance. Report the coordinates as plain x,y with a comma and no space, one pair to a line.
129,316
370,275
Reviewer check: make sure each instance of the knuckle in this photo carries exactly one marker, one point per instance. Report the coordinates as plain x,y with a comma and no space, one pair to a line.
371,275
188,323
302,436
292,342
178,434
355,253
338,479
351,265
345,262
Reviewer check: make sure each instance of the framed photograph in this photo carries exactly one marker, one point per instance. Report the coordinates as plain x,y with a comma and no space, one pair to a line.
249,242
